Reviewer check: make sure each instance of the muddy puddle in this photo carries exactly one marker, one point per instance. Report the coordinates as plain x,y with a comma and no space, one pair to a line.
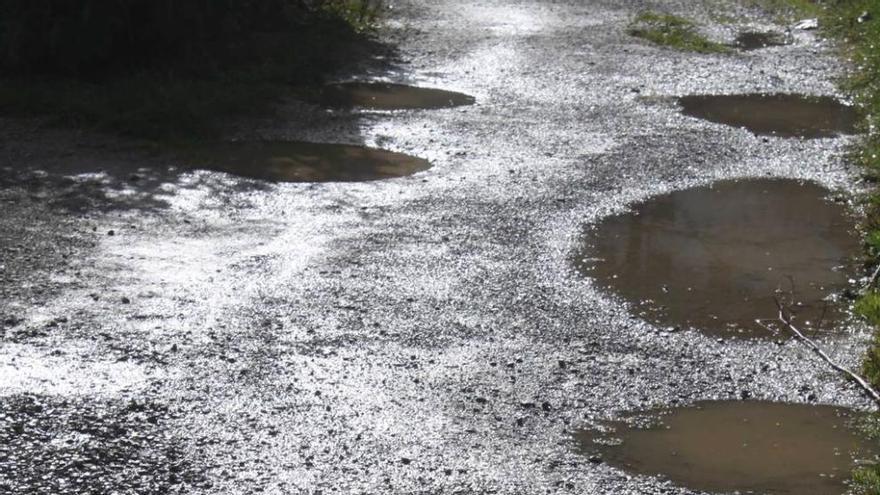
715,258
304,162
756,40
782,115
749,447
385,96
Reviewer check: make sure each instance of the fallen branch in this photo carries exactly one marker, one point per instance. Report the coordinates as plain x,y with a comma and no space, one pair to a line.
872,280
786,320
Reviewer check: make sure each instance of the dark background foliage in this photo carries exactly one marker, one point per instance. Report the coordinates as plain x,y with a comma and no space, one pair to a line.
87,37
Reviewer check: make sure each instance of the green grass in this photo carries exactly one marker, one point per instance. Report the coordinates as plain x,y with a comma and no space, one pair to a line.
673,32
789,10
361,15
191,102
866,481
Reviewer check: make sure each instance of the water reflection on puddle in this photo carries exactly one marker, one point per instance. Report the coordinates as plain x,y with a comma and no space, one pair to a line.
385,96
759,447
756,40
713,258
782,115
304,162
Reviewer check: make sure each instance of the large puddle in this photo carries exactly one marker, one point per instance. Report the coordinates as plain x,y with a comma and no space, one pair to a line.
750,447
783,115
756,40
714,258
304,162
385,96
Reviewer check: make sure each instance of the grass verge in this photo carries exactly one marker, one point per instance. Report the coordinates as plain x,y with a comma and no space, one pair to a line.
789,10
192,100
673,32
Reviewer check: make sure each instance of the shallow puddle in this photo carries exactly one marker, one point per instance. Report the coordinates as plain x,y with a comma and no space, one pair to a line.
756,40
713,258
305,162
750,447
783,115
385,96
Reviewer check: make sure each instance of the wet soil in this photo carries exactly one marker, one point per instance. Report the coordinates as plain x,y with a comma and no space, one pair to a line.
756,40
782,115
386,96
754,447
305,162
714,258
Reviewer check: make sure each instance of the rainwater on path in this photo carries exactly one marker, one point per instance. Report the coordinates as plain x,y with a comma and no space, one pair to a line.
756,40
385,96
749,447
715,258
304,162
781,115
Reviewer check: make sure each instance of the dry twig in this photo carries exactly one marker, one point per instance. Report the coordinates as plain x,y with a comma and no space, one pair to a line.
786,320
872,280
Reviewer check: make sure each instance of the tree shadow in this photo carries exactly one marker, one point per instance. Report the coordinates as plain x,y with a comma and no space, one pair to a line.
84,168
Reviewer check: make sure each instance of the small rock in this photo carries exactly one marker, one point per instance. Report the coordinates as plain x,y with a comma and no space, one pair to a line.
595,459
125,300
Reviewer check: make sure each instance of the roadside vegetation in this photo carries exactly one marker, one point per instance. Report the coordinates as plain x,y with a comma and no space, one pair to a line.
855,24
170,69
673,32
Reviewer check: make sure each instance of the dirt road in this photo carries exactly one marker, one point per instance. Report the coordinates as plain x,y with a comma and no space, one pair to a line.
200,333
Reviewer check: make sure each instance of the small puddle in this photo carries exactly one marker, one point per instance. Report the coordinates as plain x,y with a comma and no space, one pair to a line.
305,162
749,447
713,258
783,115
385,96
756,40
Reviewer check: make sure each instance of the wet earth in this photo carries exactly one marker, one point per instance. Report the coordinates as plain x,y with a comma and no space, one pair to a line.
386,96
166,328
286,161
784,115
757,40
716,258
744,447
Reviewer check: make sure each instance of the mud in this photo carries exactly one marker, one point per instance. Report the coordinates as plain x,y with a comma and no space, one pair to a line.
747,447
714,258
781,115
757,40
305,162
386,96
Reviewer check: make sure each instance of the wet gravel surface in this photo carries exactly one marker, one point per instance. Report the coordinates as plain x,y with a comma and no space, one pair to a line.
426,334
